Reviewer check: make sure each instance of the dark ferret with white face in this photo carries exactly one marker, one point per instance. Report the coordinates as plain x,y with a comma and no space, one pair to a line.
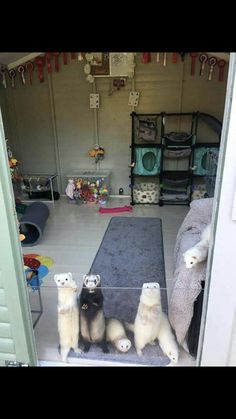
92,319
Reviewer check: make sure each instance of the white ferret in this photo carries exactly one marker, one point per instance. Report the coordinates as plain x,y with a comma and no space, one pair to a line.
167,340
148,318
115,333
199,252
68,314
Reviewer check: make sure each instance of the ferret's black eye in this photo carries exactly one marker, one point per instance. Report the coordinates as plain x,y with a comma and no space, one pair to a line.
66,279
59,280
191,263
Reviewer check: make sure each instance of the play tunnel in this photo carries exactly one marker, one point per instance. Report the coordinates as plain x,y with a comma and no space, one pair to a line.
32,223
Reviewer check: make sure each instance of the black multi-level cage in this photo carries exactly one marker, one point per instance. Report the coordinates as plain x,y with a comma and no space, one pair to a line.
153,148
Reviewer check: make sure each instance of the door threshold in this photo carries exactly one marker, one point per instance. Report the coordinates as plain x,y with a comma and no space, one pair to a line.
86,363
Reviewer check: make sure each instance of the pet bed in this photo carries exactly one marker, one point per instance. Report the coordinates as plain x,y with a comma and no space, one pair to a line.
147,161
146,193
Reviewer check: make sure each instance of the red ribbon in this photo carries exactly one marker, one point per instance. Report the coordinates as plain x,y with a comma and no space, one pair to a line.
193,56
221,64
48,59
65,61
175,57
40,61
56,55
146,58
30,68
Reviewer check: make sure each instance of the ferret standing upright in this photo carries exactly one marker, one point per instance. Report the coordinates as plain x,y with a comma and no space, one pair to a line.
92,319
68,314
148,318
115,333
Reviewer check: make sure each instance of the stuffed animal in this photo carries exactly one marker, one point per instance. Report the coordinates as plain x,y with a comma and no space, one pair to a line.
97,152
70,189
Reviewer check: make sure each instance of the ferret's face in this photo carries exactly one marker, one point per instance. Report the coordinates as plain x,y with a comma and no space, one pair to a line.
151,285
124,345
150,292
64,280
173,355
151,288
190,260
91,281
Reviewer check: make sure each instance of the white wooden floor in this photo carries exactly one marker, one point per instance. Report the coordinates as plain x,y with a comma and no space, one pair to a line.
71,238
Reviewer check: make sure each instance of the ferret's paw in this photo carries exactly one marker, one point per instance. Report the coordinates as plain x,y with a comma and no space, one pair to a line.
153,343
139,352
78,350
84,307
61,311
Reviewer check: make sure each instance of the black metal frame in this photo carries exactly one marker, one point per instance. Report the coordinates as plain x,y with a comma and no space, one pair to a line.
189,144
193,131
40,311
202,145
138,145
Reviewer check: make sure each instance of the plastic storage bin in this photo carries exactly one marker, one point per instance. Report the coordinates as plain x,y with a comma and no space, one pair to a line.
91,185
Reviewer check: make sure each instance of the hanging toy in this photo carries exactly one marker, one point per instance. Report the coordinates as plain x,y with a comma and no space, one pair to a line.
164,59
182,55
193,56
146,57
56,57
3,73
30,69
97,153
65,61
21,71
203,58
70,189
40,61
174,57
48,60
212,61
221,64
12,75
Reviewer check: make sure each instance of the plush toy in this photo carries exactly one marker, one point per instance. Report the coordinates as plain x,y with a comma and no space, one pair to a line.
70,189
97,152
21,236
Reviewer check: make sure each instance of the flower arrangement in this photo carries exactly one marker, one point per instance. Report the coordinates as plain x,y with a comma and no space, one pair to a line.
14,165
97,152
14,169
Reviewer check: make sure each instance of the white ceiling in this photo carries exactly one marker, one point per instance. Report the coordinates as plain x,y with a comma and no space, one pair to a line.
13,59
9,57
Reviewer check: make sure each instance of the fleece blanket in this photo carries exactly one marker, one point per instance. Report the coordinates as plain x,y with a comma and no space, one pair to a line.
187,282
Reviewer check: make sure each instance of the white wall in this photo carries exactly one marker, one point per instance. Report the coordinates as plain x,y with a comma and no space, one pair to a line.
29,121
219,340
